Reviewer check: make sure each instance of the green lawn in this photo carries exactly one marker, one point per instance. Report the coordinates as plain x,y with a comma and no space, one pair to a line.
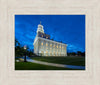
80,61
34,66
70,60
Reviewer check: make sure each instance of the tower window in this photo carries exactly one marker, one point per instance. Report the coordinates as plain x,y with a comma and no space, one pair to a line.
42,35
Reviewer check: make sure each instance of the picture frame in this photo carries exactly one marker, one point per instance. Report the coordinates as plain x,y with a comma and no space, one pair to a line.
8,76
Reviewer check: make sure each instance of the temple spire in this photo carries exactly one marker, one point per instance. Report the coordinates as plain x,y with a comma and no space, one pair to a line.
40,28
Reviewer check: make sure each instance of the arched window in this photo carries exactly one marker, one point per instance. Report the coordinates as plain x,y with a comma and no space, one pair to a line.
54,46
57,46
46,44
46,53
42,43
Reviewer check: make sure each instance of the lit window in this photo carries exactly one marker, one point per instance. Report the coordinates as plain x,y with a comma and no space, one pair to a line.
57,46
42,43
50,45
46,44
42,35
42,52
46,53
54,46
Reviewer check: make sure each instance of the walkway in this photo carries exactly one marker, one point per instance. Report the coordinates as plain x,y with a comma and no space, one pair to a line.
57,65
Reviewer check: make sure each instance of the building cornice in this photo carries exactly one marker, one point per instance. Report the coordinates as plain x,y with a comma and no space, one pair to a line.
51,41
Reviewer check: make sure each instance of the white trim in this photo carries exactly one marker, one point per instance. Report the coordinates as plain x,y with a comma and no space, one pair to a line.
35,40
51,41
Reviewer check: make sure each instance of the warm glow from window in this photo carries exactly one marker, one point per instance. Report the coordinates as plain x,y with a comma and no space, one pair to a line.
46,44
50,45
42,52
54,46
42,43
57,46
42,35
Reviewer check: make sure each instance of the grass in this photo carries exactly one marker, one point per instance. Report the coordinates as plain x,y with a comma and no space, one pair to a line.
34,66
72,60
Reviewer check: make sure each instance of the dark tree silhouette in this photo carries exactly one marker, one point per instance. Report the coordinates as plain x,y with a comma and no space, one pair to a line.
79,53
20,51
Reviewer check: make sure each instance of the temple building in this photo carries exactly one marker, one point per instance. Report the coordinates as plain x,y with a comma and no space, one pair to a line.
44,46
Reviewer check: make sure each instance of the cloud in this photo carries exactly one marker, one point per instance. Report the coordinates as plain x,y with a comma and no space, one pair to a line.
74,48
69,29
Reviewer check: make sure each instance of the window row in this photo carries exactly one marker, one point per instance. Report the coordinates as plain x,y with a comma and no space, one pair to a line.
51,45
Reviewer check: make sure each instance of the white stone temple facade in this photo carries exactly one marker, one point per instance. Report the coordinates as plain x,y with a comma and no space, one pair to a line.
44,46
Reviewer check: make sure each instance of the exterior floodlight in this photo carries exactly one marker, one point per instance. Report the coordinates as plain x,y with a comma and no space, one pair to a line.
25,47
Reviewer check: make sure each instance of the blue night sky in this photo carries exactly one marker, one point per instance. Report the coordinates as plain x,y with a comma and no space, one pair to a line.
69,29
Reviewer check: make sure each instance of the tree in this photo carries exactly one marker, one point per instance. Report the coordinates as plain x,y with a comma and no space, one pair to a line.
19,51
79,53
